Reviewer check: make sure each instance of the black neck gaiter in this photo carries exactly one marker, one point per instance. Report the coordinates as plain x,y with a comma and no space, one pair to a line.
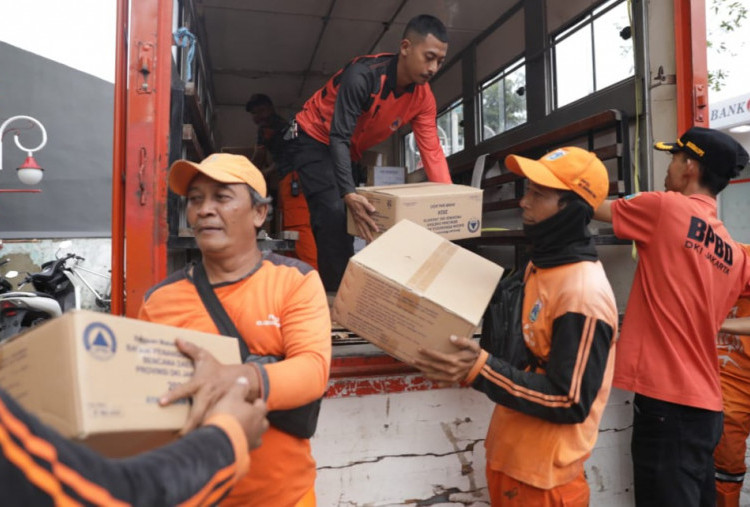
563,238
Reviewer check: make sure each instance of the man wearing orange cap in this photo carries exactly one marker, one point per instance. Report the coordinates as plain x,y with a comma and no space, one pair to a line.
689,274
278,307
547,416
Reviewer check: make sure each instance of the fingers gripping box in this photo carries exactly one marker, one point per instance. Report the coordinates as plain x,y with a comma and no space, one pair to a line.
98,378
412,288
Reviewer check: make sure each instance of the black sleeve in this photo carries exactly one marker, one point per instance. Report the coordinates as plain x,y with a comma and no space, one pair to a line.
40,467
353,94
565,390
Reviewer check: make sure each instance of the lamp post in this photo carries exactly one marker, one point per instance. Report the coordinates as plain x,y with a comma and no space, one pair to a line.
30,173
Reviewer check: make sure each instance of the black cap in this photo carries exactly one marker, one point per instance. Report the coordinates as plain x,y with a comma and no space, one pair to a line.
258,99
718,152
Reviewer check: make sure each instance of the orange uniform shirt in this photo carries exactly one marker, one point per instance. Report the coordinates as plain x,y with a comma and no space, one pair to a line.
689,274
280,309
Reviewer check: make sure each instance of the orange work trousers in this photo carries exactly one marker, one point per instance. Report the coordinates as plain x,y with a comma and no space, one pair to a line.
505,491
734,373
296,217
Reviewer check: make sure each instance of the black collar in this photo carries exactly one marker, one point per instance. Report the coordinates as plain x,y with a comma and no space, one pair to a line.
391,80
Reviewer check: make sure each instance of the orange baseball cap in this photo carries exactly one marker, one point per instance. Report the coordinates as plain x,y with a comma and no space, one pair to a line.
568,168
223,167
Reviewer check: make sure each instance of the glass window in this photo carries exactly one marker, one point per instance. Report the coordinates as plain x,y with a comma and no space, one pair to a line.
595,53
504,100
450,134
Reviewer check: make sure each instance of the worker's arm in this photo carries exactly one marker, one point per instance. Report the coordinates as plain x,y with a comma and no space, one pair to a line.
739,326
303,374
562,393
634,217
425,130
353,94
38,466
604,212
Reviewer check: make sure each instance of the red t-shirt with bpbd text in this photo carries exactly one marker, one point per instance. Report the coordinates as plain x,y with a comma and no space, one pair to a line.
689,274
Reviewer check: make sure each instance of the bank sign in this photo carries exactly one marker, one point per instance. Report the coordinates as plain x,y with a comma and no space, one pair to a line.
731,112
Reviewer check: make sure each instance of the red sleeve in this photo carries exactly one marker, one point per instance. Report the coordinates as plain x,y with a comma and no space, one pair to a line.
636,216
424,126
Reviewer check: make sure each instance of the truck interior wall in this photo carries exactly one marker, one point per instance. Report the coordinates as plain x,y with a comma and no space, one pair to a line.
662,116
426,447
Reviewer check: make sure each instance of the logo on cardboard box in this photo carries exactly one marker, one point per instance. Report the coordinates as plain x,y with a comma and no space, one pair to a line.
473,224
99,341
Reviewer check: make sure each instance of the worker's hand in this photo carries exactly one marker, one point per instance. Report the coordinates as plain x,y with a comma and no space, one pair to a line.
449,368
211,381
251,416
361,209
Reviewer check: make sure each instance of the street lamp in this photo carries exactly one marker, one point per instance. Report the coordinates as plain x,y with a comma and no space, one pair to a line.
29,172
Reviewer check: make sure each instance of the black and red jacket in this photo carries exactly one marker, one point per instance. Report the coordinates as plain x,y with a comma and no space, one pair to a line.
40,467
360,106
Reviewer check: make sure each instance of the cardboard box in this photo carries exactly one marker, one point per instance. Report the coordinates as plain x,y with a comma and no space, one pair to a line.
382,175
97,377
418,176
453,211
411,288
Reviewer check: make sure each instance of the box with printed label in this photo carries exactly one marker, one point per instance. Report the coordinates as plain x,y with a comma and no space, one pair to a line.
453,211
412,288
382,175
98,377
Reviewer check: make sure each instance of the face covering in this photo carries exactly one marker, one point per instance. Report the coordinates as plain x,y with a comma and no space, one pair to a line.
563,238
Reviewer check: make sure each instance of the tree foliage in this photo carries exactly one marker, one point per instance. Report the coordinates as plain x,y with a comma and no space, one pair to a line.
731,15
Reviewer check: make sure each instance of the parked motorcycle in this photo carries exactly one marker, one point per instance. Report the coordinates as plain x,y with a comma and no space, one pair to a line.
22,310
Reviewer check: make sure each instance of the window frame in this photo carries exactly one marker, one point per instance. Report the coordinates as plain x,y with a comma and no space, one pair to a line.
585,21
502,74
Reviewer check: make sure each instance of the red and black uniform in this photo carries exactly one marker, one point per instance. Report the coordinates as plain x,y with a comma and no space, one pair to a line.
359,107
295,214
38,466
271,136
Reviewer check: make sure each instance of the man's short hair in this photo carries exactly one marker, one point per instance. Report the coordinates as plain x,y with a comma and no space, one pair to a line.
711,180
258,99
424,25
567,196
258,200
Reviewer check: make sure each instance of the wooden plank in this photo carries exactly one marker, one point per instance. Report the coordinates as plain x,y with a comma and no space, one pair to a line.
198,118
190,137
558,137
495,181
608,152
501,205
